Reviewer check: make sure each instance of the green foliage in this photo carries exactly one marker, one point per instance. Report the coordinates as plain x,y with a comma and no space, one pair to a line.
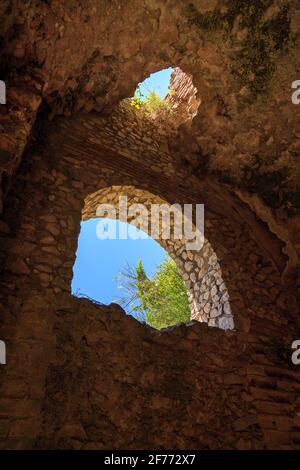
137,101
156,105
143,287
161,301
135,283
167,299
152,104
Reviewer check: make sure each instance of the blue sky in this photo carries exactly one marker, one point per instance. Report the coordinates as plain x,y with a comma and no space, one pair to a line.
98,262
158,82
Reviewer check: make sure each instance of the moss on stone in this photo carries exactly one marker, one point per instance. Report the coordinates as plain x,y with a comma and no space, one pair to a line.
292,203
5,157
267,185
254,63
278,28
210,21
250,12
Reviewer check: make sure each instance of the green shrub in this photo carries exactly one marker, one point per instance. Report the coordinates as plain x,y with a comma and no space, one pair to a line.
152,104
160,301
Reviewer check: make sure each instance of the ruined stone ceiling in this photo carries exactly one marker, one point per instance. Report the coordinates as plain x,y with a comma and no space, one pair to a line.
65,57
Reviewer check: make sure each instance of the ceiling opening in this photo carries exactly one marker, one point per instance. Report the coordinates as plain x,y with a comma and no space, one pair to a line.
167,97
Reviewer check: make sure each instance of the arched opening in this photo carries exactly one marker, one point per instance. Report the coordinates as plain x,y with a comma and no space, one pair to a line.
167,97
118,263
199,268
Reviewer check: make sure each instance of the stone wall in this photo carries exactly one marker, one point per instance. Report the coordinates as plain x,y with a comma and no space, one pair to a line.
208,296
16,119
86,376
80,375
183,97
241,65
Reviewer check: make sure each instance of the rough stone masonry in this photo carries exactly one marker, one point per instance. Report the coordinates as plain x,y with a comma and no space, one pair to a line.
86,376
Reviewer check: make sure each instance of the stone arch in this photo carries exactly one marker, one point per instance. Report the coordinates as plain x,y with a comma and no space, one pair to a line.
200,269
250,258
94,378
52,188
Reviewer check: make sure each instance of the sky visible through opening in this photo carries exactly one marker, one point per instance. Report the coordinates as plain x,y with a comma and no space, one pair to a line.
98,262
158,82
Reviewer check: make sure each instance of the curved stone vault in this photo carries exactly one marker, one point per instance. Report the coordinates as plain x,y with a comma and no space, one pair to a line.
201,272
85,376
